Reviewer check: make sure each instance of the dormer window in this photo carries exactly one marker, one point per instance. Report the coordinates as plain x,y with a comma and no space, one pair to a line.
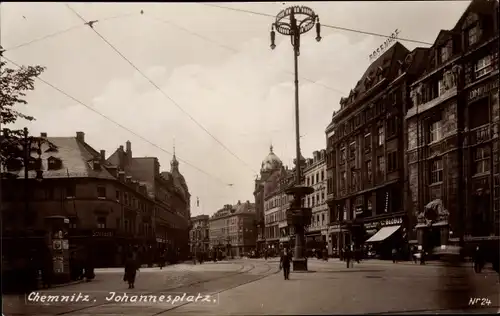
96,165
54,163
473,35
445,52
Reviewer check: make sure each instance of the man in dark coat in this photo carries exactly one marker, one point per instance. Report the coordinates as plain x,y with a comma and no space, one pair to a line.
285,263
131,268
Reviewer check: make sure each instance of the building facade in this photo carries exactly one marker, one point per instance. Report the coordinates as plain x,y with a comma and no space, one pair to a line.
365,163
199,234
270,165
107,212
453,126
315,177
233,229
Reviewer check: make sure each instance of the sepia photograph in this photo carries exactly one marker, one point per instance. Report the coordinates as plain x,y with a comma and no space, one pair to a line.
250,158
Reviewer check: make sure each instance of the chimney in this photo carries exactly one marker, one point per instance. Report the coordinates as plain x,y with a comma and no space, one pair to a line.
239,202
121,147
103,155
80,136
129,147
43,135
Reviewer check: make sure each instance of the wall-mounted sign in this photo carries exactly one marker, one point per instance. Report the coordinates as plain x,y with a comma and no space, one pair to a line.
103,234
57,244
482,90
384,222
376,53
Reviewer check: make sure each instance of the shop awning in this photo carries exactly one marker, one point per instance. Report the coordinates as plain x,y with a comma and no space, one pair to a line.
383,233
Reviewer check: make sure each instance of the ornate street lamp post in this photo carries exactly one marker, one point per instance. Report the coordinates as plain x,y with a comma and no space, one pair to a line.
297,215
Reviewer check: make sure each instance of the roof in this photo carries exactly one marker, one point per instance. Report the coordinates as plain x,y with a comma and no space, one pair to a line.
76,156
271,162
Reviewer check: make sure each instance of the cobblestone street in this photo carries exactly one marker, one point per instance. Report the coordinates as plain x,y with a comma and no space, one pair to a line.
253,287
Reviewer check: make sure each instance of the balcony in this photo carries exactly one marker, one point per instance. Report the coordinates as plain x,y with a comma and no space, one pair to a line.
480,135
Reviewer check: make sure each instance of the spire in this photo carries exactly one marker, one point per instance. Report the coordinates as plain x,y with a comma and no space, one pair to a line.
271,147
174,164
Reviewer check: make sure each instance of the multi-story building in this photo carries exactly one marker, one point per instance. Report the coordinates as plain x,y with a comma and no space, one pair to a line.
270,165
366,153
233,229
453,126
199,234
107,211
315,177
169,192
287,232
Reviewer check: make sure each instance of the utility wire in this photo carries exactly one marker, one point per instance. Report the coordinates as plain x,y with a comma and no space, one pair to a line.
236,51
162,92
119,124
64,31
322,24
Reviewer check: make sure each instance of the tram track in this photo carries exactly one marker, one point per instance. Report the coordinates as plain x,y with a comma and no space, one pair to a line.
245,269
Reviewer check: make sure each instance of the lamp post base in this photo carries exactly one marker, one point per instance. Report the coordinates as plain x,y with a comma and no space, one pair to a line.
299,264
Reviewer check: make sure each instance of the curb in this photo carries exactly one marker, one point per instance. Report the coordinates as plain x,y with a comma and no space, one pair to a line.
53,286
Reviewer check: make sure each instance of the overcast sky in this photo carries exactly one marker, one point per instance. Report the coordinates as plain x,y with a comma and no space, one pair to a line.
216,64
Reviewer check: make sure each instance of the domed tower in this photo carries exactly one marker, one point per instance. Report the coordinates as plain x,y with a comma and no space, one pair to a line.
270,163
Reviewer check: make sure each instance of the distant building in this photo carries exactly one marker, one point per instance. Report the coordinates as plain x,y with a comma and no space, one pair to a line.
233,229
454,117
270,165
199,234
315,177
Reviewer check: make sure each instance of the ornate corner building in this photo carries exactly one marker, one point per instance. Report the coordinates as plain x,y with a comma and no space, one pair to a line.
453,133
199,234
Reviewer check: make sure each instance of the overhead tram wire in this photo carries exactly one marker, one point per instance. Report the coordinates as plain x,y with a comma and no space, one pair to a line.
72,28
161,90
322,24
119,124
235,50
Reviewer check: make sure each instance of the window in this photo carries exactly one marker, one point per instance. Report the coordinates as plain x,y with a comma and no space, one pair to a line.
369,175
322,196
392,124
437,171
481,160
322,218
392,161
381,165
322,175
317,177
381,136
435,131
101,222
343,179
473,35
352,150
312,179
117,195
71,190
445,52
101,192
126,198
312,199
483,66
368,142
307,180
342,155
353,178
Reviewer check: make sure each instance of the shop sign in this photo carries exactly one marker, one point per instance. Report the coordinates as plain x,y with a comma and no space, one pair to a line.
102,234
385,222
482,90
376,53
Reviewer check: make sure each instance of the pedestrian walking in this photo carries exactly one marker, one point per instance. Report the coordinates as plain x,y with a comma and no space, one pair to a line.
285,264
478,260
347,256
131,268
394,255
89,268
162,260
